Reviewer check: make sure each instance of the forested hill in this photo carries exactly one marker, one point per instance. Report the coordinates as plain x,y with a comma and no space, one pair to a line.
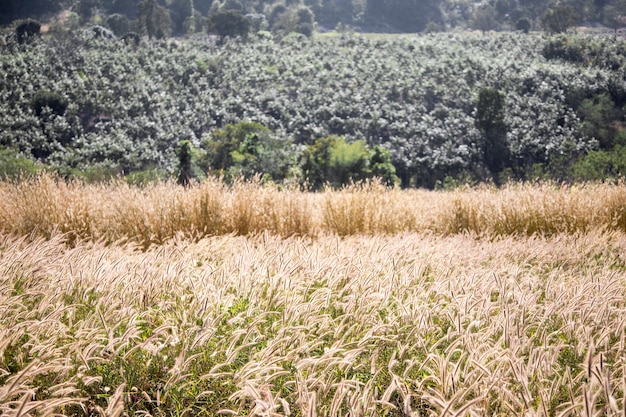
161,18
433,108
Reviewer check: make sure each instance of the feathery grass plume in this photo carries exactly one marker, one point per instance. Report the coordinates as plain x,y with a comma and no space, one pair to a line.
414,324
45,205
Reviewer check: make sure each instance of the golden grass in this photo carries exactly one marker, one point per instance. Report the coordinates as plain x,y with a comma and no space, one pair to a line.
403,325
44,205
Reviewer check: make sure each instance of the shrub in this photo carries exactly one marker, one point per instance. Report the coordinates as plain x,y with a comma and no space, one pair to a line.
601,165
13,166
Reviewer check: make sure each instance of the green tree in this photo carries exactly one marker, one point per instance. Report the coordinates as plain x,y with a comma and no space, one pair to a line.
381,166
118,23
185,162
348,162
292,20
154,20
86,9
484,19
598,115
262,153
334,161
489,119
228,23
245,149
181,11
614,15
523,25
27,30
559,18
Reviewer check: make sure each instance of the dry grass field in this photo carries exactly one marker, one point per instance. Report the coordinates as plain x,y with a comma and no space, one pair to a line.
114,212
252,301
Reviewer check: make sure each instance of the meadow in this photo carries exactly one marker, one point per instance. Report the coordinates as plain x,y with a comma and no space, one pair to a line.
255,300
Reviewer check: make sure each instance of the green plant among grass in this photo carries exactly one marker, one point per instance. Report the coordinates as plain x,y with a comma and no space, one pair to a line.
14,167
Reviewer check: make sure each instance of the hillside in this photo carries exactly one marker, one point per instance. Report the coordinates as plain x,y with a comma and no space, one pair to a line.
77,101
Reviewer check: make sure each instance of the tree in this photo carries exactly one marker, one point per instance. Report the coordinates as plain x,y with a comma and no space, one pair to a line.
262,153
489,119
219,147
381,166
334,161
559,18
523,25
484,19
118,23
181,11
348,162
85,9
614,15
27,30
155,20
598,115
228,23
185,162
292,20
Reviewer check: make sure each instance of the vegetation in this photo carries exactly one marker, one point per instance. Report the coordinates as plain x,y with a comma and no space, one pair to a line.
364,325
155,213
185,17
419,102
161,254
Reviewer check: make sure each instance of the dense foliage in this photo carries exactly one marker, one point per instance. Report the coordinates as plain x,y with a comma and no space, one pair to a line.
180,17
81,101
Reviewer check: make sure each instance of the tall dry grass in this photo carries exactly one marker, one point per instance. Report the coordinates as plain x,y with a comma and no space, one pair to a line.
153,214
404,325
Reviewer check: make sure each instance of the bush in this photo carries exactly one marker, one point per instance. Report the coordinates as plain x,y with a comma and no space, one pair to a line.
13,166
146,177
332,160
601,165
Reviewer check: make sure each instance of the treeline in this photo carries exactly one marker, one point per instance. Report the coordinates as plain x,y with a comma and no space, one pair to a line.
433,110
164,18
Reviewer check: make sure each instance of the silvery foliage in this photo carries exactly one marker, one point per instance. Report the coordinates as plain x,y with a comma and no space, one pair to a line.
130,106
